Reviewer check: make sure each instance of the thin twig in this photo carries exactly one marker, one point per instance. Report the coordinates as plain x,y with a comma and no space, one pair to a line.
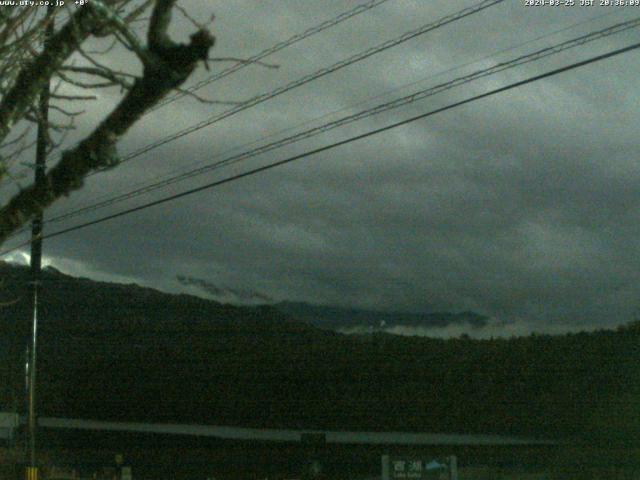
206,100
66,112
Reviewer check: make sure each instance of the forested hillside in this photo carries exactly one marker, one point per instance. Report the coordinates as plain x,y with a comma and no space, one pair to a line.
129,353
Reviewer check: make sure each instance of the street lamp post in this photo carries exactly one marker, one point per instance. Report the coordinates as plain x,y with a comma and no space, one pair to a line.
36,258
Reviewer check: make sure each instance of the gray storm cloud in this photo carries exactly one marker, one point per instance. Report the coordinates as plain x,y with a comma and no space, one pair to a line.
523,206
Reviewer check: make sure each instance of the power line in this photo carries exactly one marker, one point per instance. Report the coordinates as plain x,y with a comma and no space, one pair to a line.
617,28
311,77
416,96
314,76
109,198
337,144
273,49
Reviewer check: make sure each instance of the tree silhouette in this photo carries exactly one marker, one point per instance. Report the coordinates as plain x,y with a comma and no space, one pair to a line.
27,63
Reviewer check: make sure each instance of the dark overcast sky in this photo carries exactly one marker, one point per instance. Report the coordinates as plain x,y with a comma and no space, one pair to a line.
522,206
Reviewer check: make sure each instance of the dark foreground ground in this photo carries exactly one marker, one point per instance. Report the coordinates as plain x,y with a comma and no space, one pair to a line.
188,458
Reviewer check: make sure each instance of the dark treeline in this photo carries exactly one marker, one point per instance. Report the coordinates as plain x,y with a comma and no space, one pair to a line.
124,352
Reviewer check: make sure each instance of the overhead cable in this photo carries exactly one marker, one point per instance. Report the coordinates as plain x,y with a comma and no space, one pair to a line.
273,49
314,76
336,144
179,171
405,100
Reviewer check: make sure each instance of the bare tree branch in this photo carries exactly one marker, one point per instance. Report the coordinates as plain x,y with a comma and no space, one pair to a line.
29,82
73,97
205,100
166,66
131,40
81,84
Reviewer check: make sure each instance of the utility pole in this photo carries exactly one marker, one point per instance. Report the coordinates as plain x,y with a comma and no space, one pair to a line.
42,146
